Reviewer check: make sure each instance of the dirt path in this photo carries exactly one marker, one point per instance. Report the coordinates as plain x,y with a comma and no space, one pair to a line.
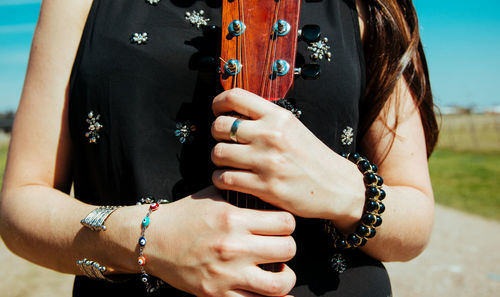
462,260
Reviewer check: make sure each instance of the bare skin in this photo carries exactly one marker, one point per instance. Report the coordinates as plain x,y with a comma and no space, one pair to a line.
37,216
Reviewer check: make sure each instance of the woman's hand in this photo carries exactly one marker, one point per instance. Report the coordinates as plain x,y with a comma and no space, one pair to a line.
208,247
280,161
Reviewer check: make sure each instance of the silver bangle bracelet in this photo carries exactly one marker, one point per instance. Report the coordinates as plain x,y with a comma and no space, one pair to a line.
92,269
96,218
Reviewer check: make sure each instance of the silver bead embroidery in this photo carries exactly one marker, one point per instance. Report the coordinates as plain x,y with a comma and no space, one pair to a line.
139,38
196,18
149,200
338,263
184,131
94,127
320,50
347,136
153,2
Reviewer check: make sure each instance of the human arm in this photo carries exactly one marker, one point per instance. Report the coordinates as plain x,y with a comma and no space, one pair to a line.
282,162
39,221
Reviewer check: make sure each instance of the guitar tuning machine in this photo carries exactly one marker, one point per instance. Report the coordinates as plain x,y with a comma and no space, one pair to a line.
231,67
236,28
310,33
281,67
281,28
308,71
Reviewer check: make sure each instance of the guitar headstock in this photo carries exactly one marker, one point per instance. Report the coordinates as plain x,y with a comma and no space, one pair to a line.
259,43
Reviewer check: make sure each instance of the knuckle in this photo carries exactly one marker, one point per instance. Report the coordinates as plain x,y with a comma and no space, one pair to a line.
226,179
274,136
291,247
277,161
275,287
218,152
207,289
275,188
292,281
217,125
233,95
227,249
289,221
229,219
286,116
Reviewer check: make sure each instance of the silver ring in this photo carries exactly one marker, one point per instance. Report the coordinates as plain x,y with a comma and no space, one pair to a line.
234,129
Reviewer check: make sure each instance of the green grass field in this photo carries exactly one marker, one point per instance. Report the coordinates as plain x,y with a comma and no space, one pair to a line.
465,168
468,181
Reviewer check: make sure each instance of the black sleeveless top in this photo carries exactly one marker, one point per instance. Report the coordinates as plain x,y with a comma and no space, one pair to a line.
140,116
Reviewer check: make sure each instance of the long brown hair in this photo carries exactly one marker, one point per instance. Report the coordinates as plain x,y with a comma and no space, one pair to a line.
393,49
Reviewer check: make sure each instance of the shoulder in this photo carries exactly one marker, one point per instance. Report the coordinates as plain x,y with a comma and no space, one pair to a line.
63,15
59,28
55,43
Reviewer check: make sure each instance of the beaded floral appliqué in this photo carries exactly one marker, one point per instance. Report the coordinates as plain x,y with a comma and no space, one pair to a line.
153,2
196,18
150,200
338,263
94,127
139,38
185,131
347,136
320,49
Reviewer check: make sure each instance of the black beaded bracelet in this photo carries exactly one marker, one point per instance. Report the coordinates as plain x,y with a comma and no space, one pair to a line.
373,207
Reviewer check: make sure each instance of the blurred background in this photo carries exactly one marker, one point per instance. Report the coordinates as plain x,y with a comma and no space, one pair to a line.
462,43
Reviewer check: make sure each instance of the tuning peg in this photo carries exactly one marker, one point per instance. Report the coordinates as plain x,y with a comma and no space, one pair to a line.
309,71
310,33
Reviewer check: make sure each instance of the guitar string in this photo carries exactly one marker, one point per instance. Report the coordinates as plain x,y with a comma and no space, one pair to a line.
243,40
274,49
273,45
265,70
276,80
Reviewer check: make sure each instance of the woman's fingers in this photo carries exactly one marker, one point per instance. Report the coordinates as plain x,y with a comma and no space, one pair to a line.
243,102
268,283
239,181
221,129
271,249
266,222
233,155
241,293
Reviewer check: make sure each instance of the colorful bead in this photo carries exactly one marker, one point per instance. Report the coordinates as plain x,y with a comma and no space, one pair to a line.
141,260
142,241
145,222
154,206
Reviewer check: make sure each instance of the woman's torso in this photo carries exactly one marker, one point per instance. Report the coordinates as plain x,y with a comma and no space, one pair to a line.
143,95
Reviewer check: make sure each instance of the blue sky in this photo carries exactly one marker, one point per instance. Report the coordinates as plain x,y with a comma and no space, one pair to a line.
461,40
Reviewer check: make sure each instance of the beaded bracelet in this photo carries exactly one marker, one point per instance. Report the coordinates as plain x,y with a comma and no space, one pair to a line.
373,207
141,260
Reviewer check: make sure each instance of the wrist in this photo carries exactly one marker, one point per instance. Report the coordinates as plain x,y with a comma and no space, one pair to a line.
372,210
347,207
120,240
